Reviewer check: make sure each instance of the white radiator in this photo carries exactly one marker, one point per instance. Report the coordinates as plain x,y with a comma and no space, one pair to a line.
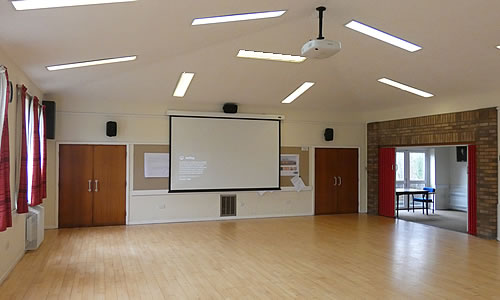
35,227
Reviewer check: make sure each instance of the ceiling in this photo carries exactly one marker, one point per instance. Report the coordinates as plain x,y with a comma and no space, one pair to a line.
459,58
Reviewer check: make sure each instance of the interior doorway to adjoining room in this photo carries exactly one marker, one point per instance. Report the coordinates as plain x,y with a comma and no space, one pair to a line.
442,171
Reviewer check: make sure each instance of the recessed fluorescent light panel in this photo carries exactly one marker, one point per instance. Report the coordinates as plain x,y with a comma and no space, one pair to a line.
91,63
183,84
405,88
382,36
270,56
39,4
239,17
301,90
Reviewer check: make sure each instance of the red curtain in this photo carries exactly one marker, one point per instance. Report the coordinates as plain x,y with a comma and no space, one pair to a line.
386,181
22,196
471,190
44,157
36,195
5,205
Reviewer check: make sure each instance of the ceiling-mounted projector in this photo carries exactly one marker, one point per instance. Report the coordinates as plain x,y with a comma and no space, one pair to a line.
321,48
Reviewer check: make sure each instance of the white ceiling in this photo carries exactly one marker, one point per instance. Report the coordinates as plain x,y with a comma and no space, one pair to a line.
459,58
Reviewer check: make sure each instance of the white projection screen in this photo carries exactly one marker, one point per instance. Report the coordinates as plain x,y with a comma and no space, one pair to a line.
224,154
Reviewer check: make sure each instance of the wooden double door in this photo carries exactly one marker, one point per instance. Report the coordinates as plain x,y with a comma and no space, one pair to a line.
336,181
92,185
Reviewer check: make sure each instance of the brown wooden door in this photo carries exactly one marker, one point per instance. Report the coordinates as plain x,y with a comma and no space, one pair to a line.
325,191
75,172
92,185
336,181
348,183
109,185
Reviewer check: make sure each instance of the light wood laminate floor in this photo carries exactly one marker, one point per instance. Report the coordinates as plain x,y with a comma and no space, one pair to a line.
327,257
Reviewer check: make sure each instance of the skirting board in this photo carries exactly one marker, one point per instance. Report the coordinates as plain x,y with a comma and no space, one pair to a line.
217,219
17,260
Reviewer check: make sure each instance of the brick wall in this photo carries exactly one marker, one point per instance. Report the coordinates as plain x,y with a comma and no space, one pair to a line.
477,127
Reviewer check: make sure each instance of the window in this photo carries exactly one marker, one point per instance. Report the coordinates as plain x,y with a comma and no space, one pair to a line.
30,144
32,161
400,166
412,169
417,166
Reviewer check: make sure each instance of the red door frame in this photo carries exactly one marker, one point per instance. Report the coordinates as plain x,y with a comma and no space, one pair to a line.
386,181
471,190
387,185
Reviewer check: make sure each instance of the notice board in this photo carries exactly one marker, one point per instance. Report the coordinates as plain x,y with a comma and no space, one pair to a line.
303,153
141,182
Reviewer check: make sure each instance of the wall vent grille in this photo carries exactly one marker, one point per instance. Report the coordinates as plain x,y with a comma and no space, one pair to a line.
227,205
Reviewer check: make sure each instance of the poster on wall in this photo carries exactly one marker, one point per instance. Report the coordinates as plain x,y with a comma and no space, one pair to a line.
156,165
289,165
461,153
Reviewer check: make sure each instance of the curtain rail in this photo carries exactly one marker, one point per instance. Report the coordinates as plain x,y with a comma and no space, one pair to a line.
18,87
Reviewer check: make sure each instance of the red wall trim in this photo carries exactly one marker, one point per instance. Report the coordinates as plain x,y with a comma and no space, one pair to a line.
472,190
386,181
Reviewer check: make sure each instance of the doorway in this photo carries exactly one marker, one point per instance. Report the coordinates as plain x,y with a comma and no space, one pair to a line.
443,171
336,181
92,185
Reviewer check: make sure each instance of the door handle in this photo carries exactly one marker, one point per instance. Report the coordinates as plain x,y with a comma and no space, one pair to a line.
90,185
334,180
340,181
96,185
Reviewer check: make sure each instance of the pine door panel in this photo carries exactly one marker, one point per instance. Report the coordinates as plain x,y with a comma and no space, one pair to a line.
75,199
109,185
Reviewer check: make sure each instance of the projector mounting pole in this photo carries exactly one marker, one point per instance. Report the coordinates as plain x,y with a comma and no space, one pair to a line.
321,9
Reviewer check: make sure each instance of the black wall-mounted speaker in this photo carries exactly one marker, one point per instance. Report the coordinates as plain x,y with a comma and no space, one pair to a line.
111,128
329,134
230,108
50,119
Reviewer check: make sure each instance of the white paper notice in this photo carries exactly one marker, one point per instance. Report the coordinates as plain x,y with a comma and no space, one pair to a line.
156,165
298,184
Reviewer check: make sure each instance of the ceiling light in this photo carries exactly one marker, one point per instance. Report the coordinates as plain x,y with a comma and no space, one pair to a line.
498,47
380,35
301,90
91,63
183,84
270,56
239,17
405,87
38,4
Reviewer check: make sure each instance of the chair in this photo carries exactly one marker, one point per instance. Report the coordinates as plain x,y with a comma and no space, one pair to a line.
430,199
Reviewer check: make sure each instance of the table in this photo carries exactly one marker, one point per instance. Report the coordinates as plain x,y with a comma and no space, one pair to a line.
408,192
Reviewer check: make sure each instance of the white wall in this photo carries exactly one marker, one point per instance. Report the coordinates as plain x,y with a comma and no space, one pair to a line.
298,129
451,180
12,240
442,177
458,182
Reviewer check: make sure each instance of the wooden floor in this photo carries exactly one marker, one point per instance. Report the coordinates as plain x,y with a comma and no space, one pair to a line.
327,257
